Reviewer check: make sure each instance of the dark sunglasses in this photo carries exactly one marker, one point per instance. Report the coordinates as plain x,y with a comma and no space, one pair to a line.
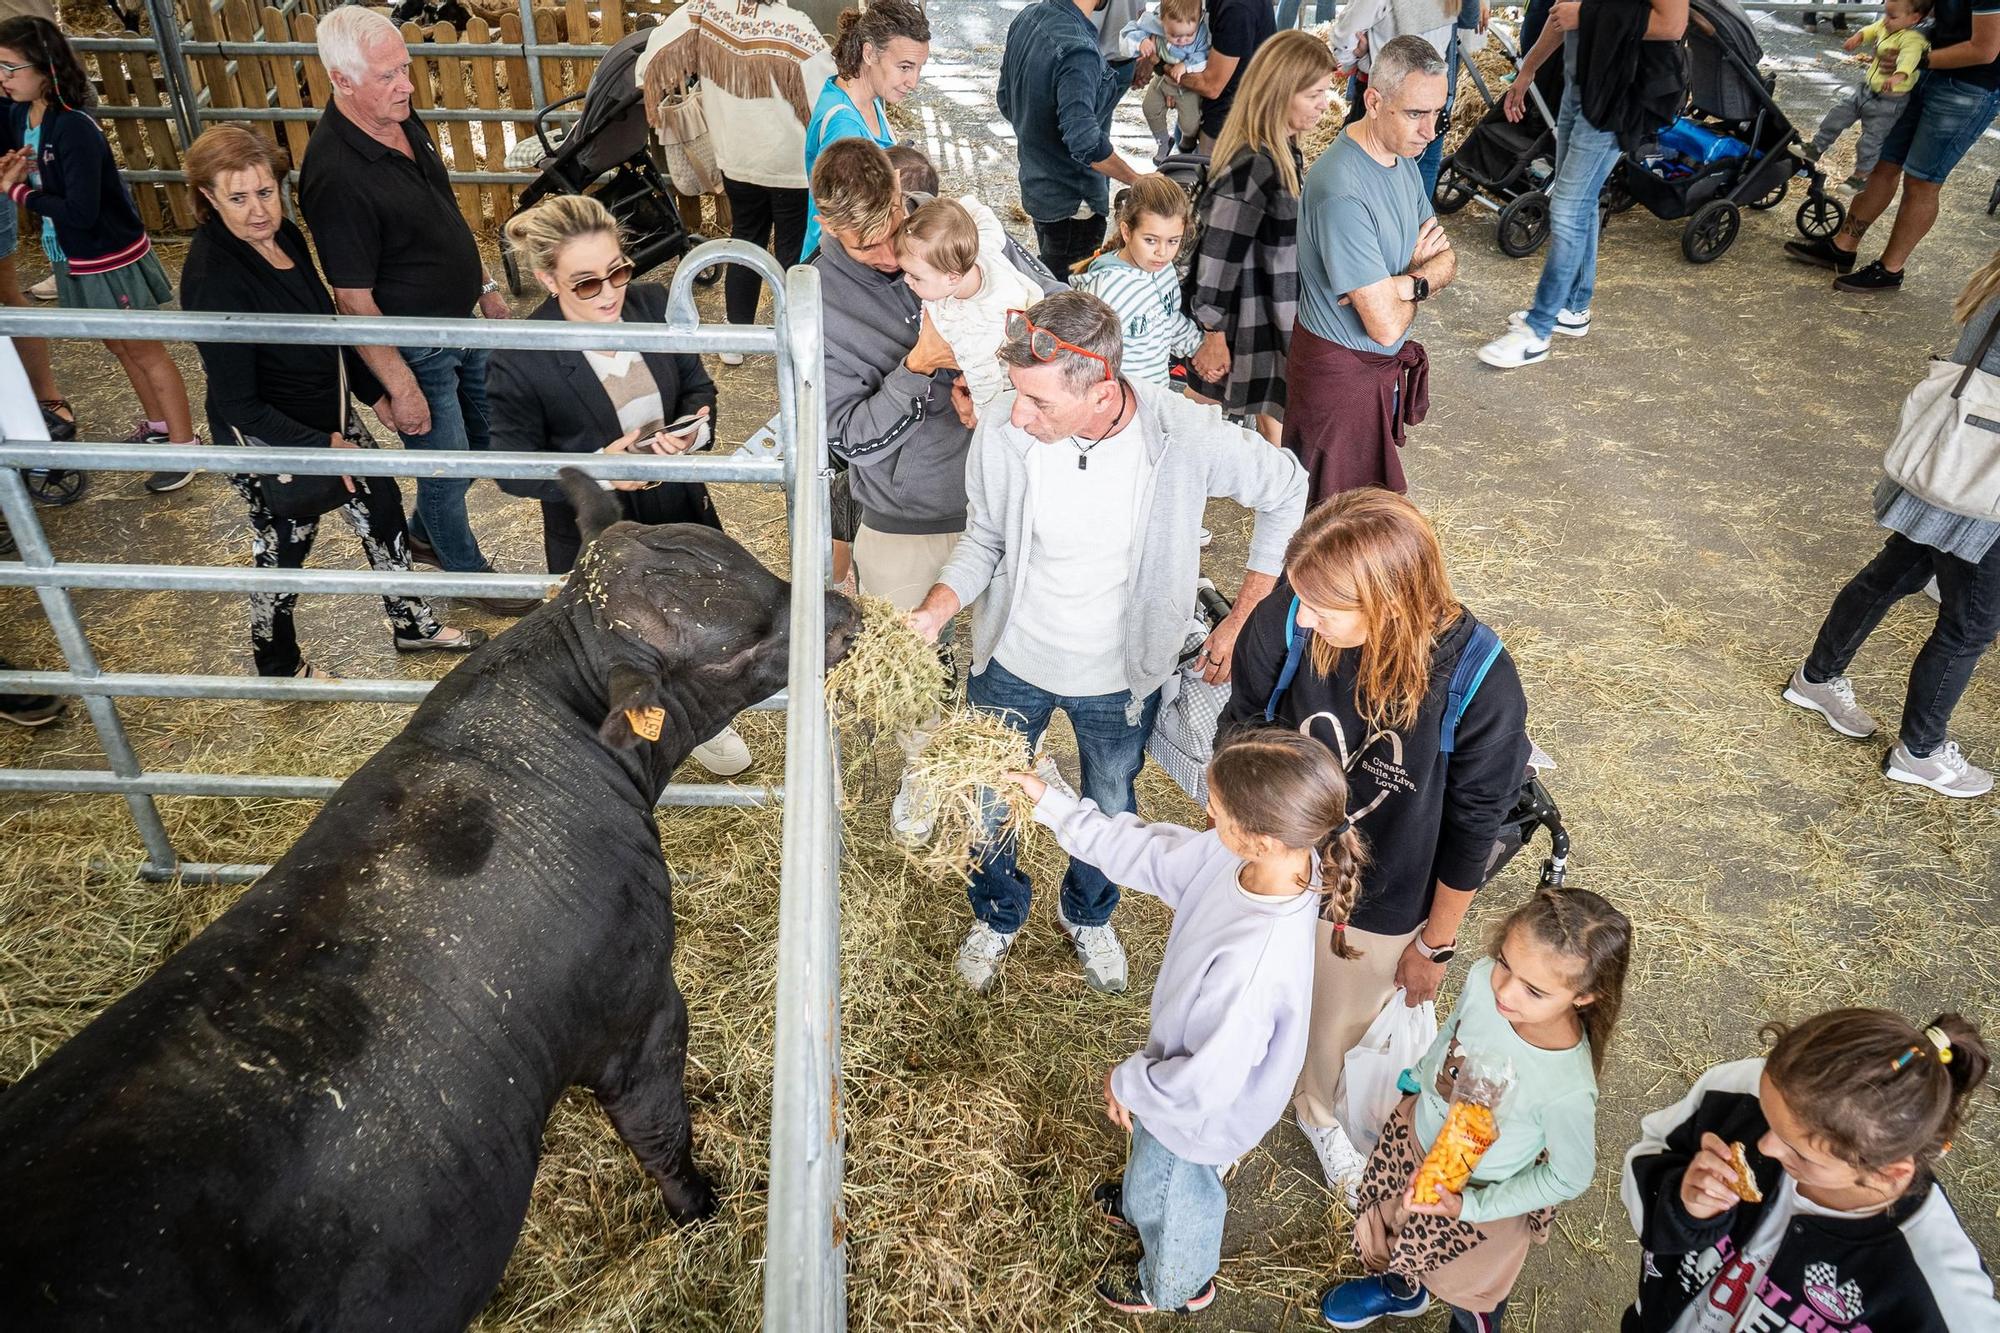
589,288
1043,345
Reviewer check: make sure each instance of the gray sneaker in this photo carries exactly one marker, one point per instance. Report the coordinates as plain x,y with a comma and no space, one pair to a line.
1098,949
980,956
1832,700
1946,771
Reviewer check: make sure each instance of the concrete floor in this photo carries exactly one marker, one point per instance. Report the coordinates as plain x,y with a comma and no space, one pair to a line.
1655,520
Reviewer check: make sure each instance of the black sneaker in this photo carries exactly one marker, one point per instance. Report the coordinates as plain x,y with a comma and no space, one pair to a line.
1874,278
162,482
1120,1290
29,710
1821,253
1110,1200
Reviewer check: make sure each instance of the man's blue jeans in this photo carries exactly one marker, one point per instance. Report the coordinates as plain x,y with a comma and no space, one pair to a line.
453,380
1288,12
1112,751
1178,1208
1584,158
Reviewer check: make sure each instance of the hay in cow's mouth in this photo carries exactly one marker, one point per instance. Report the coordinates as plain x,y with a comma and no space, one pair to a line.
891,681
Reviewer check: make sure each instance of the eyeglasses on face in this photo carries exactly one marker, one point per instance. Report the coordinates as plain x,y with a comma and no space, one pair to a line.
6,68
1043,345
589,288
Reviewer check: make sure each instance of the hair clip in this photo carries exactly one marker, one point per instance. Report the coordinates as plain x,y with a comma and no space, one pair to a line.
1896,1065
1942,1040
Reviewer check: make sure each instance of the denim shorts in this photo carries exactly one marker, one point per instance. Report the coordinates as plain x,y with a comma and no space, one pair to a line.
1944,118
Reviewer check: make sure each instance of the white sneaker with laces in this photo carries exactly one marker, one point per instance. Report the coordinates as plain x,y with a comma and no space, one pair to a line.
1946,771
980,956
731,358
1340,1161
1569,323
912,813
725,756
1515,348
1046,770
1832,700
1205,538
1098,949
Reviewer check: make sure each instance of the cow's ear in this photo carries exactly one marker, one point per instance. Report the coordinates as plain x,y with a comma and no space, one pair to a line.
636,713
595,509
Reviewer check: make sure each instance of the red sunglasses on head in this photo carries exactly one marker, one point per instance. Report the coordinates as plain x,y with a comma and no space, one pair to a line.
1043,345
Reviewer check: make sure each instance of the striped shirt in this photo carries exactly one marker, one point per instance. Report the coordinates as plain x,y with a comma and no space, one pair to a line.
1149,311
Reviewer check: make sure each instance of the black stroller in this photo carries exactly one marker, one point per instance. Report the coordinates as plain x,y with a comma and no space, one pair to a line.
1504,165
607,155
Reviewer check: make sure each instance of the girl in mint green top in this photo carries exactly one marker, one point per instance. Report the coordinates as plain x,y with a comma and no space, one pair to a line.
880,53
1540,1012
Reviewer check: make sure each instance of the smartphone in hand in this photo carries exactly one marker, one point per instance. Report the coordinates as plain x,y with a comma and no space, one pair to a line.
694,425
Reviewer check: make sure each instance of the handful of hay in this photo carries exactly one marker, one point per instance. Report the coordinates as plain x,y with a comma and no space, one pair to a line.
891,680
961,768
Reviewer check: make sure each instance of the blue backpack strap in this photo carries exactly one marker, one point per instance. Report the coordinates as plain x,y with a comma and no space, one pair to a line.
1295,649
1481,651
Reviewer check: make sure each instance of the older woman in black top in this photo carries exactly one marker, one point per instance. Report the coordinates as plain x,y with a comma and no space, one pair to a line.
247,258
601,402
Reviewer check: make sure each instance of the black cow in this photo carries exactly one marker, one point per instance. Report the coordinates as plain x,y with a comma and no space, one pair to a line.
326,1111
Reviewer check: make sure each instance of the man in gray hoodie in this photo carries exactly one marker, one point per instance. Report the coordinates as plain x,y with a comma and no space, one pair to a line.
1082,547
896,408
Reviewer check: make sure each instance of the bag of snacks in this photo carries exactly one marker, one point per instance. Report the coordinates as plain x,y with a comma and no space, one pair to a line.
1469,1130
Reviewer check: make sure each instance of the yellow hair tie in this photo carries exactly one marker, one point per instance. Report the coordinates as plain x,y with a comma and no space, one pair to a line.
1942,1040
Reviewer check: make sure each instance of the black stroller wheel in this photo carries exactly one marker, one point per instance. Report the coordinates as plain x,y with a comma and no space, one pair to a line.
709,276
1820,216
1524,225
1774,196
511,262
56,486
1453,191
1711,231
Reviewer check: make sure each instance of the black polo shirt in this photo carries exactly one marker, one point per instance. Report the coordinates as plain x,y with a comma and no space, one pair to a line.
388,223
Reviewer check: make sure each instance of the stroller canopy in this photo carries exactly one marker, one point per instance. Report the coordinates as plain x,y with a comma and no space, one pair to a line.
613,125
1722,56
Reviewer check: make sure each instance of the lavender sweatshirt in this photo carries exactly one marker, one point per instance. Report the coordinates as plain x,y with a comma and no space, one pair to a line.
1235,989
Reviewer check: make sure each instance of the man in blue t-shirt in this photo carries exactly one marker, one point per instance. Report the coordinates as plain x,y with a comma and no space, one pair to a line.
1956,98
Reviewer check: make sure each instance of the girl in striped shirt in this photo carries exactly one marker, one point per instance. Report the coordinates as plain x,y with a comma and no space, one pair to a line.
1138,279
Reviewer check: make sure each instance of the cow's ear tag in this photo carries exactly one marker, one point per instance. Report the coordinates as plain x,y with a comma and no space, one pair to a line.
646,722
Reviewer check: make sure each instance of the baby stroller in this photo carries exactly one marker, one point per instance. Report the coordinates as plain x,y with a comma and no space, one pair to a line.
1506,165
1731,149
607,155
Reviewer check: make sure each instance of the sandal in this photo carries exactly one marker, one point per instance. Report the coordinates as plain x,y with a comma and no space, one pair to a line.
60,418
464,641
307,671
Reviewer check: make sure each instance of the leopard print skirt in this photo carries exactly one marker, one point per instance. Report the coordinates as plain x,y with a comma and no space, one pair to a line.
1469,1267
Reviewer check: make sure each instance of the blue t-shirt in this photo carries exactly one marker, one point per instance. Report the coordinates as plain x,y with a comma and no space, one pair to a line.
1358,223
836,117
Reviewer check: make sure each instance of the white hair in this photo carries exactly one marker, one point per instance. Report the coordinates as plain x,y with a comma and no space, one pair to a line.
345,35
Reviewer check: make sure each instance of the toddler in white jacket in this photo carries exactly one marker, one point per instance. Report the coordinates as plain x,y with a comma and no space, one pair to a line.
953,253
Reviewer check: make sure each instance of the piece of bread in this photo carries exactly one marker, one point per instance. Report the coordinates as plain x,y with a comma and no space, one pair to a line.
1745,1183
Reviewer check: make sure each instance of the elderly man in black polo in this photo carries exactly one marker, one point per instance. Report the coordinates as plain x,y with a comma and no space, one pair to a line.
392,242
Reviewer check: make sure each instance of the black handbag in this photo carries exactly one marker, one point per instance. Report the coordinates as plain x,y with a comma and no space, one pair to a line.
303,497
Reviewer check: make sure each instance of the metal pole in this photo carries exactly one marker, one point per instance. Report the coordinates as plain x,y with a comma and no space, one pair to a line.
173,68
805,1274
535,88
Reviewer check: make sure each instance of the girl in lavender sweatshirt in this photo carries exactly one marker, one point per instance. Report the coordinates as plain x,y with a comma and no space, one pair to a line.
1234,993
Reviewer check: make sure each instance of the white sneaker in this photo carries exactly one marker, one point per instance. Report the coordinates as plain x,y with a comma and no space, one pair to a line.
1832,700
1206,538
1569,323
912,813
725,756
1046,770
731,358
1098,949
1515,348
980,956
1946,771
1340,1161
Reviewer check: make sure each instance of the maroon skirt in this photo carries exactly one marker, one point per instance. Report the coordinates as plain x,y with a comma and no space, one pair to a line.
1346,411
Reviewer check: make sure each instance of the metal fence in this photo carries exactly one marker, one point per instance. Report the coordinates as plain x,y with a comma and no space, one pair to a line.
805,1266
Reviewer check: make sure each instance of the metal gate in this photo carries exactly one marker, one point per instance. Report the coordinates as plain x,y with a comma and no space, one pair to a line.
805,1261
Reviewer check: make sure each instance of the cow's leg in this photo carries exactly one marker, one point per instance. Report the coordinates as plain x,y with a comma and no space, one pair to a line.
644,1094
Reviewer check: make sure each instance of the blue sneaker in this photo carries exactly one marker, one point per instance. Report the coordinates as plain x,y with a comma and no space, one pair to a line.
1359,1303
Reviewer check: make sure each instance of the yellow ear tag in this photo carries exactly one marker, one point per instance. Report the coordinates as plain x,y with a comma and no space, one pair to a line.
646,722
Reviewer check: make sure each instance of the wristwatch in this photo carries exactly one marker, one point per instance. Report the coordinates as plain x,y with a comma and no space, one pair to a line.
1420,287
1443,955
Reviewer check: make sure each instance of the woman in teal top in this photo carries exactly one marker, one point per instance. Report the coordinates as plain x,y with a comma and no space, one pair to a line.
880,54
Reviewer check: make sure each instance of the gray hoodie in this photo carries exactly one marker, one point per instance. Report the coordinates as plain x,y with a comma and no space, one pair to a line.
1192,455
897,428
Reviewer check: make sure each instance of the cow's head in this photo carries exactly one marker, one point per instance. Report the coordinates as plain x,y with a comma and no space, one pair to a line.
694,628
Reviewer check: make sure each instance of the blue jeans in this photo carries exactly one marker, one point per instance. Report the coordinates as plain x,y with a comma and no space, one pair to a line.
453,380
1288,12
1941,121
1584,158
1112,751
1177,1207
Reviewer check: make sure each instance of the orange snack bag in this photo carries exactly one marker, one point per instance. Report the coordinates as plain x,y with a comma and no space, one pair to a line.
1468,1132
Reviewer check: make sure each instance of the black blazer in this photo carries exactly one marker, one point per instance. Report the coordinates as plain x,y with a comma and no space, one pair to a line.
540,402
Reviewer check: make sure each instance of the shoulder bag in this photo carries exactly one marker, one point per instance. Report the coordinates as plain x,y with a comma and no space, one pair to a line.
1947,446
302,497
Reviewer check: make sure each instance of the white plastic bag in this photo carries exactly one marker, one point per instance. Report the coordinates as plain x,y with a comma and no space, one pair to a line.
1395,1041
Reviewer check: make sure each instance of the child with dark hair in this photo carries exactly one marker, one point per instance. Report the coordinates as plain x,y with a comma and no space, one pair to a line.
914,171
1536,1017
1234,994
55,162
1794,1190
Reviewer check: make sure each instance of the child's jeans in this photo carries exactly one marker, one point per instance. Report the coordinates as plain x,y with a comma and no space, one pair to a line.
1187,105
1177,1207
1877,113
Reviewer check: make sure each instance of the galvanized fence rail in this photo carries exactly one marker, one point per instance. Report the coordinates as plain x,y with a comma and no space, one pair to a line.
805,1264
